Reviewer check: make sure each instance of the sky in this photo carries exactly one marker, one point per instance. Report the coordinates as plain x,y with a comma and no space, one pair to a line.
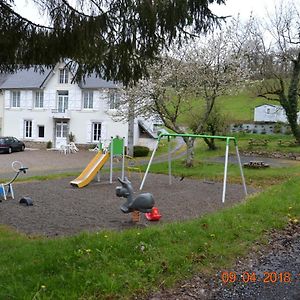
245,7
232,7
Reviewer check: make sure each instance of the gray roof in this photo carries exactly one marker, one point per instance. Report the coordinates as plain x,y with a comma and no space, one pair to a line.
25,79
94,82
267,105
31,79
3,77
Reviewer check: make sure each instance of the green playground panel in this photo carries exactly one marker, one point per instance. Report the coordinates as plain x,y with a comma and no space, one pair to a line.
117,145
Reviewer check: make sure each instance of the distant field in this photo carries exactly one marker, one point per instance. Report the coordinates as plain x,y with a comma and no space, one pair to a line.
240,107
235,107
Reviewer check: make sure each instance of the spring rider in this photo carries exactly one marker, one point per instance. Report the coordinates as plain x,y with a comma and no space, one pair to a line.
142,203
6,189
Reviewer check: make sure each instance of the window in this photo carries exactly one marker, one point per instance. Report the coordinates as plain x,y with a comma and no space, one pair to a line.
41,131
15,99
39,99
88,99
114,100
63,76
61,129
268,111
63,101
27,128
96,132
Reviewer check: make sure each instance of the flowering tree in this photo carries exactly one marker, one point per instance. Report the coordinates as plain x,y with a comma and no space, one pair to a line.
203,71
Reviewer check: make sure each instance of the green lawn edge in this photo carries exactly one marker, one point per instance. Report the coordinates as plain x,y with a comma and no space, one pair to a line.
109,264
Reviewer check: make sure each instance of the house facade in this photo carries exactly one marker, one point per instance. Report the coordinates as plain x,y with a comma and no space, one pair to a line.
271,113
47,107
3,77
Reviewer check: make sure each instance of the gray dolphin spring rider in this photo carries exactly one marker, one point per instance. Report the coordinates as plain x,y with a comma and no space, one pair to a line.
143,202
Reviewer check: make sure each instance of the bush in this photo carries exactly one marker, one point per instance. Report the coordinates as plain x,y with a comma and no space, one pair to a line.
140,151
49,145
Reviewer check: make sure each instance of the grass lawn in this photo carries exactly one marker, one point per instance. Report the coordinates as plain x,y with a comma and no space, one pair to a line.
112,265
204,169
108,265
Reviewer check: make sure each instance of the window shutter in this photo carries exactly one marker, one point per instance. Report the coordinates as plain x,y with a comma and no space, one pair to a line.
104,130
34,129
71,100
96,100
78,101
7,99
104,101
21,132
30,99
23,99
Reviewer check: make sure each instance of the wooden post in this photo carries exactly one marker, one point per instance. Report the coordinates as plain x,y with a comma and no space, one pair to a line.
135,216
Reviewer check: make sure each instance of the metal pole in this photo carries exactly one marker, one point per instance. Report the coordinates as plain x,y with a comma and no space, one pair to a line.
241,169
225,171
149,164
169,161
111,159
123,159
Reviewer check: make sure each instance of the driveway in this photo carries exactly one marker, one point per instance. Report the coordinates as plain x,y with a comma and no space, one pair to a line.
42,162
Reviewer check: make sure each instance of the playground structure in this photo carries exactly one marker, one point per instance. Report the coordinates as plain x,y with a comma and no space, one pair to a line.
225,138
6,189
115,148
141,203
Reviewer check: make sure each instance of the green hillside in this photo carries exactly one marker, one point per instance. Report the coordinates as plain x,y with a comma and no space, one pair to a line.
236,108
240,107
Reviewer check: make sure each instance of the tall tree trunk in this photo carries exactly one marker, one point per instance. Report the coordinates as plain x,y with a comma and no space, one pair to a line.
290,103
189,152
130,144
210,143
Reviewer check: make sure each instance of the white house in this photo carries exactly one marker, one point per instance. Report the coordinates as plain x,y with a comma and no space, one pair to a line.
270,113
3,77
48,107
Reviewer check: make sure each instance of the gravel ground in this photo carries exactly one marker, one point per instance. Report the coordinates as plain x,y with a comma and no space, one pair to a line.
60,209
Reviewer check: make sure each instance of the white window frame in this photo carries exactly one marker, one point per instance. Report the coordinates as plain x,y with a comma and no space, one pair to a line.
15,100
114,100
27,128
62,101
88,99
63,76
39,99
96,131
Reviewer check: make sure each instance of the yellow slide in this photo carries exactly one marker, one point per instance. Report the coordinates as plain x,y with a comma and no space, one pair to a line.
91,170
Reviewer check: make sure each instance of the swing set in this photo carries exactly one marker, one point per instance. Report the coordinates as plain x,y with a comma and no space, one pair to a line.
228,139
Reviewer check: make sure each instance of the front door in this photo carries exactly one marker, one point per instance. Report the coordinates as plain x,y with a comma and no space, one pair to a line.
61,134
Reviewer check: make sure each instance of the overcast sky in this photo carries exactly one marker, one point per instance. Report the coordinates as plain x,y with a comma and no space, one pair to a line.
232,7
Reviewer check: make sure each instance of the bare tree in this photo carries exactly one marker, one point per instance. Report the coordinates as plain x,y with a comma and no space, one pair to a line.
281,73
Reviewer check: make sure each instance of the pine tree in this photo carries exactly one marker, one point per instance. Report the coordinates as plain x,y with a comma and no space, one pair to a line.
115,39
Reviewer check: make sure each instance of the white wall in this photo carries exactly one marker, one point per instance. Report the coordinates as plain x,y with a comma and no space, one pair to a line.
1,111
269,113
80,120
